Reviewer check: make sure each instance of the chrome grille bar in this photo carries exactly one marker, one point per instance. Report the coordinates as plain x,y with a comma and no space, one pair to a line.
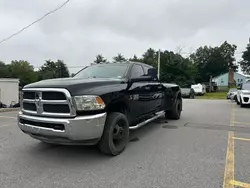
40,103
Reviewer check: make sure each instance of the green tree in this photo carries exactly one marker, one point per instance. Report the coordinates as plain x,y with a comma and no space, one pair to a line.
135,59
150,57
119,58
4,70
53,69
245,63
213,61
99,59
227,51
174,67
22,70
177,69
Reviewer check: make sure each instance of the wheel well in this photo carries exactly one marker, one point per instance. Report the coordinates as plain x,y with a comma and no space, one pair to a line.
118,107
121,107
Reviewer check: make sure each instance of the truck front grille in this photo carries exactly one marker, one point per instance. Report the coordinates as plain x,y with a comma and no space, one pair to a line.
48,102
245,99
29,106
53,96
58,108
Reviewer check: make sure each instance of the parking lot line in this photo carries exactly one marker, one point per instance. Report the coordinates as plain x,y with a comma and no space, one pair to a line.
229,167
244,139
8,117
243,123
240,184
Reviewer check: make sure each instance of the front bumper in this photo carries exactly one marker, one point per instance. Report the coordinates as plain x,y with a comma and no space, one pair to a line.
245,99
82,130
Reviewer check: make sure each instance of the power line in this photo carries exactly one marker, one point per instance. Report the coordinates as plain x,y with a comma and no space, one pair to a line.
38,20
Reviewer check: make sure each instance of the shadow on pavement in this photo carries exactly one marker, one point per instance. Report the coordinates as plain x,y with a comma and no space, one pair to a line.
87,154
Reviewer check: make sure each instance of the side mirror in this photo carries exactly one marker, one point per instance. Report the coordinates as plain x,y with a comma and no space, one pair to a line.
152,72
141,79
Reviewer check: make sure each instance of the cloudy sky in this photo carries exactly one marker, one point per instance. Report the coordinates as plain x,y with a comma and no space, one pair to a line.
84,28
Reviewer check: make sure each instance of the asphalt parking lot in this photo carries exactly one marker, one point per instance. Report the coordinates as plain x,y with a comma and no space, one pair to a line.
208,147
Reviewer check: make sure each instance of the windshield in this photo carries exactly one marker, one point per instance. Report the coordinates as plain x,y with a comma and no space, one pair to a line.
246,87
112,70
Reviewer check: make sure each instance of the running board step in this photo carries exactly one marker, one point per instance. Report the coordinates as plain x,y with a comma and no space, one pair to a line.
157,115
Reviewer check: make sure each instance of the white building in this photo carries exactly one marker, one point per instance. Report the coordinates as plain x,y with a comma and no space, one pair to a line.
9,91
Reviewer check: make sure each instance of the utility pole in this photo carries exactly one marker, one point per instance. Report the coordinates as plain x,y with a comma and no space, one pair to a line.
159,63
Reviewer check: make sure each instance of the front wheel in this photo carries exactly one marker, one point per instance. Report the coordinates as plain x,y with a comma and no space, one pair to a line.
237,101
241,104
191,96
115,135
235,98
175,113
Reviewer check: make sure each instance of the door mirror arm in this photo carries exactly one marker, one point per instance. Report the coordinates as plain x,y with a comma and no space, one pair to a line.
139,79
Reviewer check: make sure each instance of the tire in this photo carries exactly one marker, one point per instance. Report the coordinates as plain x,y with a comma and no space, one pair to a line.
241,105
176,111
115,135
237,101
235,98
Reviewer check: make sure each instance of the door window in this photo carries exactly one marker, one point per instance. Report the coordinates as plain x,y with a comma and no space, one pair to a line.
146,69
137,71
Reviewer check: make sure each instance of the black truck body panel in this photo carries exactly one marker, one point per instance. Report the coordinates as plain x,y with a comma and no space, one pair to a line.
138,99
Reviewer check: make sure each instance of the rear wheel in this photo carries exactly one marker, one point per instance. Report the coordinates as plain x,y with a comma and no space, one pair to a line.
175,113
115,135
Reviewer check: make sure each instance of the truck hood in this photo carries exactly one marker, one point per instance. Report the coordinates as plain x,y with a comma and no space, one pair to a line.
245,91
73,85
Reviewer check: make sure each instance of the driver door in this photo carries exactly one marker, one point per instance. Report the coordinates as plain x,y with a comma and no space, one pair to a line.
137,93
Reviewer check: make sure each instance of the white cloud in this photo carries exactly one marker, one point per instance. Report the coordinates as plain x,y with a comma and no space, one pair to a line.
84,28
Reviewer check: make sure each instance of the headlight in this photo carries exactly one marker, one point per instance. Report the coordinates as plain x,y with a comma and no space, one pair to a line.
89,102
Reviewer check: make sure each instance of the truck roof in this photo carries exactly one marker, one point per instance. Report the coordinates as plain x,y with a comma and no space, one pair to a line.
126,62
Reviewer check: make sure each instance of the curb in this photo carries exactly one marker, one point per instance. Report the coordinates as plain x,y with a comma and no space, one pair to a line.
9,109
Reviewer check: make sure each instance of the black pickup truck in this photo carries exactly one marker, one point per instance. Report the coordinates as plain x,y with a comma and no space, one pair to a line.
99,105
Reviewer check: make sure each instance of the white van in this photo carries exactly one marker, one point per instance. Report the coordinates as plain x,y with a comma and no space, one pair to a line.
199,89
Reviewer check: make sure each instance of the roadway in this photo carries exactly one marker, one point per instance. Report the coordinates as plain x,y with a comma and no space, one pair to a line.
208,147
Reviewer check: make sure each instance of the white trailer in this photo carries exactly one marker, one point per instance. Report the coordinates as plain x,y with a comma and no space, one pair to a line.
199,89
9,91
